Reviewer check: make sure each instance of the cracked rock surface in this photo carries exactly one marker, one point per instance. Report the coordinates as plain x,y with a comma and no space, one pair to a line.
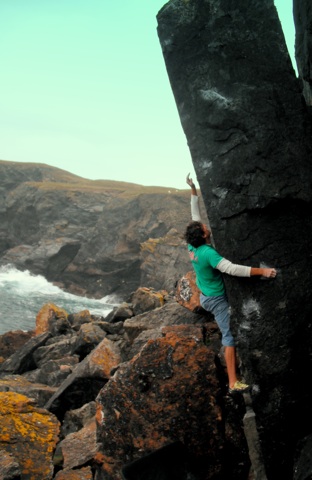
249,134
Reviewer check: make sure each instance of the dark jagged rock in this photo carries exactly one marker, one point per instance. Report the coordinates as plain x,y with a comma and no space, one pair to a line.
147,325
23,360
145,300
78,319
160,390
86,379
10,342
58,347
74,420
73,455
249,134
53,372
86,235
120,313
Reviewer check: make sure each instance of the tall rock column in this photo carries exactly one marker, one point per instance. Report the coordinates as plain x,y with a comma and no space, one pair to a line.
249,134
303,45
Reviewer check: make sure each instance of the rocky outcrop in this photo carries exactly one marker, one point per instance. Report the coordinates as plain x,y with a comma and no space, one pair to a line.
249,134
159,391
92,238
153,390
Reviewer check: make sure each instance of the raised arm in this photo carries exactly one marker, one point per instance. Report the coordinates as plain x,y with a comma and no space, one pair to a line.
190,182
194,200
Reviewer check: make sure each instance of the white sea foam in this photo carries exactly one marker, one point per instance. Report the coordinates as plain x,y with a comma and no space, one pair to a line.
23,294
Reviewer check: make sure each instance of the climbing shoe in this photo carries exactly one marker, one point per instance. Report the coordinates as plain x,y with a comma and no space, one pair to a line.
239,387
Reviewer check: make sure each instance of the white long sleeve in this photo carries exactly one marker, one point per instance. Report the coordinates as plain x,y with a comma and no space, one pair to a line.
195,208
225,266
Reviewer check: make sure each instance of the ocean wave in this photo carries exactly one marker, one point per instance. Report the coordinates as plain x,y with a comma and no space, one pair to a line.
22,295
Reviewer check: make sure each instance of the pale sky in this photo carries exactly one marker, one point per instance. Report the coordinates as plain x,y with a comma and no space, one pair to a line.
84,88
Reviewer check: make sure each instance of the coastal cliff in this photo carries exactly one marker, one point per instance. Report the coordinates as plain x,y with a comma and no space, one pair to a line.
92,238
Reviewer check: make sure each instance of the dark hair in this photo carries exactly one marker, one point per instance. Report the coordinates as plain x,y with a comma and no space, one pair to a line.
194,234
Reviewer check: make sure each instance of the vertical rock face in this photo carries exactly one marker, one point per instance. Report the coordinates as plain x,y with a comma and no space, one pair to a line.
303,45
249,134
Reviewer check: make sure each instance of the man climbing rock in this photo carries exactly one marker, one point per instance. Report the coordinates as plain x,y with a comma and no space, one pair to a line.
209,266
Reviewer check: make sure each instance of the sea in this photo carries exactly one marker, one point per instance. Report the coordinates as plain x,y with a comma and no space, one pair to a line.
23,294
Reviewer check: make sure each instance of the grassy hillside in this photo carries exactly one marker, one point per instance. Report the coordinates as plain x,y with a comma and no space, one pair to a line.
57,179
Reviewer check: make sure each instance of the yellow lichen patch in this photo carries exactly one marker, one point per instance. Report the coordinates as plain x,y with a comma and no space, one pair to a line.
30,433
160,298
150,245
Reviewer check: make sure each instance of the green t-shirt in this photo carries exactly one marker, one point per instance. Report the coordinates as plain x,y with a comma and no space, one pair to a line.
204,260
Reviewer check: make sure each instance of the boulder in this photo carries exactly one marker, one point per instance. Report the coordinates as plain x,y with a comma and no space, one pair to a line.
23,360
53,372
12,341
74,420
86,380
84,473
80,318
120,313
73,455
55,348
170,314
170,389
52,319
29,434
88,337
146,299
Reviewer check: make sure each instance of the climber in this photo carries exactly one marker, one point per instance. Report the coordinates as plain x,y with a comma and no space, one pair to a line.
209,267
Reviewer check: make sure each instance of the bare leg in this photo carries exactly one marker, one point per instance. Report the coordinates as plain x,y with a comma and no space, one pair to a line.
230,360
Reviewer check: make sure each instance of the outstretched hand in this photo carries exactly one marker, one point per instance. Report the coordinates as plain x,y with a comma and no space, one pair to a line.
189,181
269,273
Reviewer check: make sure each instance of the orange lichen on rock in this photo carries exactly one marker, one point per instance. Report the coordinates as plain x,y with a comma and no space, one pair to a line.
106,357
146,299
167,392
48,312
80,474
30,433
